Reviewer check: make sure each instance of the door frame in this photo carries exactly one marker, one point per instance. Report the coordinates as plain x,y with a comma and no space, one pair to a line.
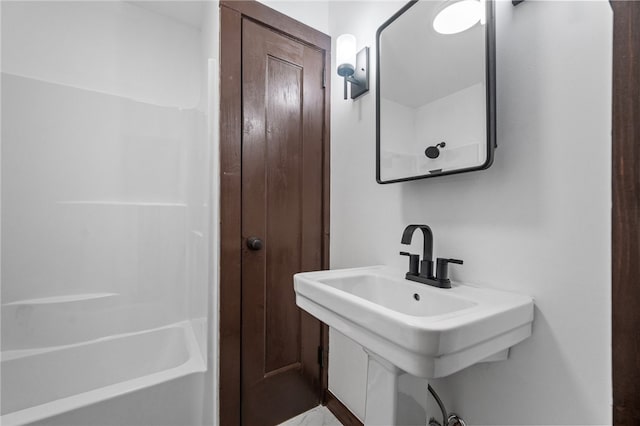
232,13
625,215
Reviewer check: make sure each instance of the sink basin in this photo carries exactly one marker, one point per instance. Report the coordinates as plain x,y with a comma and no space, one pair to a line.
422,330
381,290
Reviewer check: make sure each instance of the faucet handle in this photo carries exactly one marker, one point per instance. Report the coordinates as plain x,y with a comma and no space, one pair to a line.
414,260
442,270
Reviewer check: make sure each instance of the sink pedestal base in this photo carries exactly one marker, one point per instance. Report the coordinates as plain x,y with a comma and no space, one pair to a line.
381,408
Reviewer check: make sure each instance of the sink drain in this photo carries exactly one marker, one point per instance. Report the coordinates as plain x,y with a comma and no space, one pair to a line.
416,296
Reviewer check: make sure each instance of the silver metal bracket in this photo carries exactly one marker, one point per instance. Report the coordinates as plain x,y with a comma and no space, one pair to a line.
360,78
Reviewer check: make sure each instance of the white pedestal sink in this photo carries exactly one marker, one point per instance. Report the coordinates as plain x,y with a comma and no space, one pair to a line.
408,327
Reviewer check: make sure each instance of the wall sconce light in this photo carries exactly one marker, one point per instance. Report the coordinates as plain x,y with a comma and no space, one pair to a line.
353,67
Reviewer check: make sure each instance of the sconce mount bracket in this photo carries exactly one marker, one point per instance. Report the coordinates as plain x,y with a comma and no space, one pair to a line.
360,78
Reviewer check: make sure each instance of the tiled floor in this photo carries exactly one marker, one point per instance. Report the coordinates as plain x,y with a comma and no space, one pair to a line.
319,416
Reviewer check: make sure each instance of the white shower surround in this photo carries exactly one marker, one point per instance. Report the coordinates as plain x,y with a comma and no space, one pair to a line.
108,180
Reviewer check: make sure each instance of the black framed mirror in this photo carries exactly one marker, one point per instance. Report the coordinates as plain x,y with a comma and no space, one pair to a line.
435,97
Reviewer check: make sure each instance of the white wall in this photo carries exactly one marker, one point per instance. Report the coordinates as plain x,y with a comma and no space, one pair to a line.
537,222
458,120
398,157
405,132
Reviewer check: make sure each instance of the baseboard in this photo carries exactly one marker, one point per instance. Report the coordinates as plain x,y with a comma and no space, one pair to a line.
342,413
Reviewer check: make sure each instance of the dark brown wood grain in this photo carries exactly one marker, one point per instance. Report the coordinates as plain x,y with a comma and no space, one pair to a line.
626,213
277,21
230,214
325,359
283,110
282,208
342,413
326,198
282,365
312,173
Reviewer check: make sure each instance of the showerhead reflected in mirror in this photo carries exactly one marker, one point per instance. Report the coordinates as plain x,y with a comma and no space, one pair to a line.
435,90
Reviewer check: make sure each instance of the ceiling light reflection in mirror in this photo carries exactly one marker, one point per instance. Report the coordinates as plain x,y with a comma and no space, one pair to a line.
457,16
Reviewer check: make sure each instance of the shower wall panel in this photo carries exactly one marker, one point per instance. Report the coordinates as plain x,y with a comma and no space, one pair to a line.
105,176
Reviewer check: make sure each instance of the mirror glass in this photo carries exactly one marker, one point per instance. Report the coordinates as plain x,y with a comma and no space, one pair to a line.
435,90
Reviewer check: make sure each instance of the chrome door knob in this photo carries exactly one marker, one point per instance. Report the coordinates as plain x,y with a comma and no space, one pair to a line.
254,243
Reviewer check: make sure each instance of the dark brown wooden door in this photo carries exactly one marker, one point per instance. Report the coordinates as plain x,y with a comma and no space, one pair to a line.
282,147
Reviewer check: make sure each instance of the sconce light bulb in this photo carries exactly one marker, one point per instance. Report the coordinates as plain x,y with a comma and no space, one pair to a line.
346,55
458,16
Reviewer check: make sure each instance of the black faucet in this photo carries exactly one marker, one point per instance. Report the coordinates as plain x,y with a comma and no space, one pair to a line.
426,265
425,273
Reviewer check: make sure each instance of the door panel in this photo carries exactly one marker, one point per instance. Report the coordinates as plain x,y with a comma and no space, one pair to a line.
283,212
283,110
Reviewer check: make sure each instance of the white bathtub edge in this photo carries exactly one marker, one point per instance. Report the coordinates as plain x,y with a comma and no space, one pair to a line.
195,364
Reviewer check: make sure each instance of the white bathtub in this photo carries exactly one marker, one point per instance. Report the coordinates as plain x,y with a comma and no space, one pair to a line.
41,383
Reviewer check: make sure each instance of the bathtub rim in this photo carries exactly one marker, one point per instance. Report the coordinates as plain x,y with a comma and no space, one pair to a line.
194,364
